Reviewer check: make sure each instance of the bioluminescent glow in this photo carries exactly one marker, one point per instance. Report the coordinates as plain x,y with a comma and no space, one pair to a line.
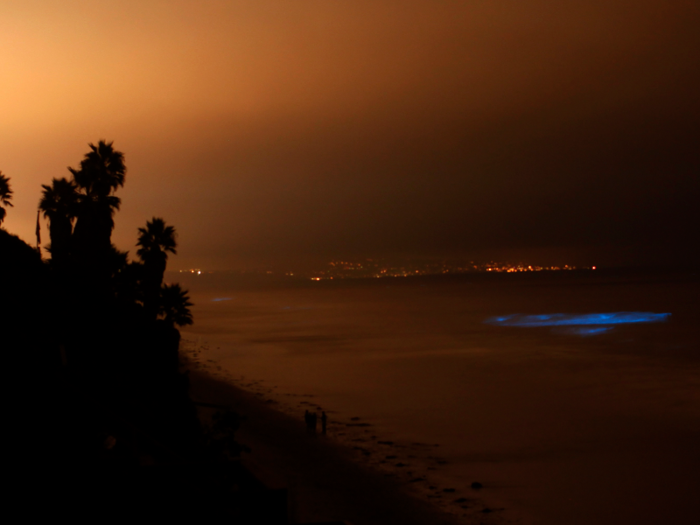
221,299
612,318
583,330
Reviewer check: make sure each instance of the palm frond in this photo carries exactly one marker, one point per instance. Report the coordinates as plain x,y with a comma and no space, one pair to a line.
101,171
60,199
5,191
156,239
174,305
5,195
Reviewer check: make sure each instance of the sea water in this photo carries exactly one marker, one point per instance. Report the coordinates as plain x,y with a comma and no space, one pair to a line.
569,422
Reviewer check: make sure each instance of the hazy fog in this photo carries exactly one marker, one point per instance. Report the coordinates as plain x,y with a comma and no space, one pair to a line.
275,131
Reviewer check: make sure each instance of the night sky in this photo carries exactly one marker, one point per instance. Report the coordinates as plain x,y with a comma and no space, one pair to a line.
280,132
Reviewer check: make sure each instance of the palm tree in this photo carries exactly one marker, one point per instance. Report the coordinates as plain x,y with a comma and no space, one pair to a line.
101,172
59,205
126,285
155,241
174,305
5,195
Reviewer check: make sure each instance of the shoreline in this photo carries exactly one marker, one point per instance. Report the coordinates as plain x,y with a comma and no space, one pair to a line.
326,478
542,420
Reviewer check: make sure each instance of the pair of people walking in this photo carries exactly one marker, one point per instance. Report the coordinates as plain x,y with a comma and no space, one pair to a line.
311,419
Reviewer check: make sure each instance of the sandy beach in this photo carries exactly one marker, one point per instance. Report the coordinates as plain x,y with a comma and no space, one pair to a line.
324,478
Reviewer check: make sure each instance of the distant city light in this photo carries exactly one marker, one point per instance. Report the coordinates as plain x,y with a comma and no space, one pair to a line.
193,270
376,268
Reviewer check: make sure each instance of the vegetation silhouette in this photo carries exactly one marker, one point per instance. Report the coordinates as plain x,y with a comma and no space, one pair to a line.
96,343
59,204
174,305
5,196
155,241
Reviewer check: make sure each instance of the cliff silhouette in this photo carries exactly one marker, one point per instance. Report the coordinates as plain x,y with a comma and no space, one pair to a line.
100,418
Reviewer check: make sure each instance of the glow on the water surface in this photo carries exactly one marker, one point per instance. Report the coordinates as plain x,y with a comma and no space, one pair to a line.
584,330
579,324
612,318
221,299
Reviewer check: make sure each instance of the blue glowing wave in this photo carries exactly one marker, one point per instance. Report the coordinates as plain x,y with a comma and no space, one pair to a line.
602,319
583,330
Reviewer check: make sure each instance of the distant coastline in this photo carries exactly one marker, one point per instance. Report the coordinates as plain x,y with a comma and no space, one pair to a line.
212,280
379,269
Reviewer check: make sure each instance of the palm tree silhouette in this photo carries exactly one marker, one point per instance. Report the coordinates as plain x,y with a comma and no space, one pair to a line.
101,172
155,241
174,305
59,204
5,195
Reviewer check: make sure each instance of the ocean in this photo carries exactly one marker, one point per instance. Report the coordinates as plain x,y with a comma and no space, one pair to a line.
446,381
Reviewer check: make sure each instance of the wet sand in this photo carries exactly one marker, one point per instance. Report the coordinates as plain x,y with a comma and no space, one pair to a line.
325,480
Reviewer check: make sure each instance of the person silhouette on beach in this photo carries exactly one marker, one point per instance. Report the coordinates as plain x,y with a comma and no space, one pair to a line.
324,420
312,422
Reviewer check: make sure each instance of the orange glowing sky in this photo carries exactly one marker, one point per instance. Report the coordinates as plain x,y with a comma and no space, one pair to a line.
274,130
